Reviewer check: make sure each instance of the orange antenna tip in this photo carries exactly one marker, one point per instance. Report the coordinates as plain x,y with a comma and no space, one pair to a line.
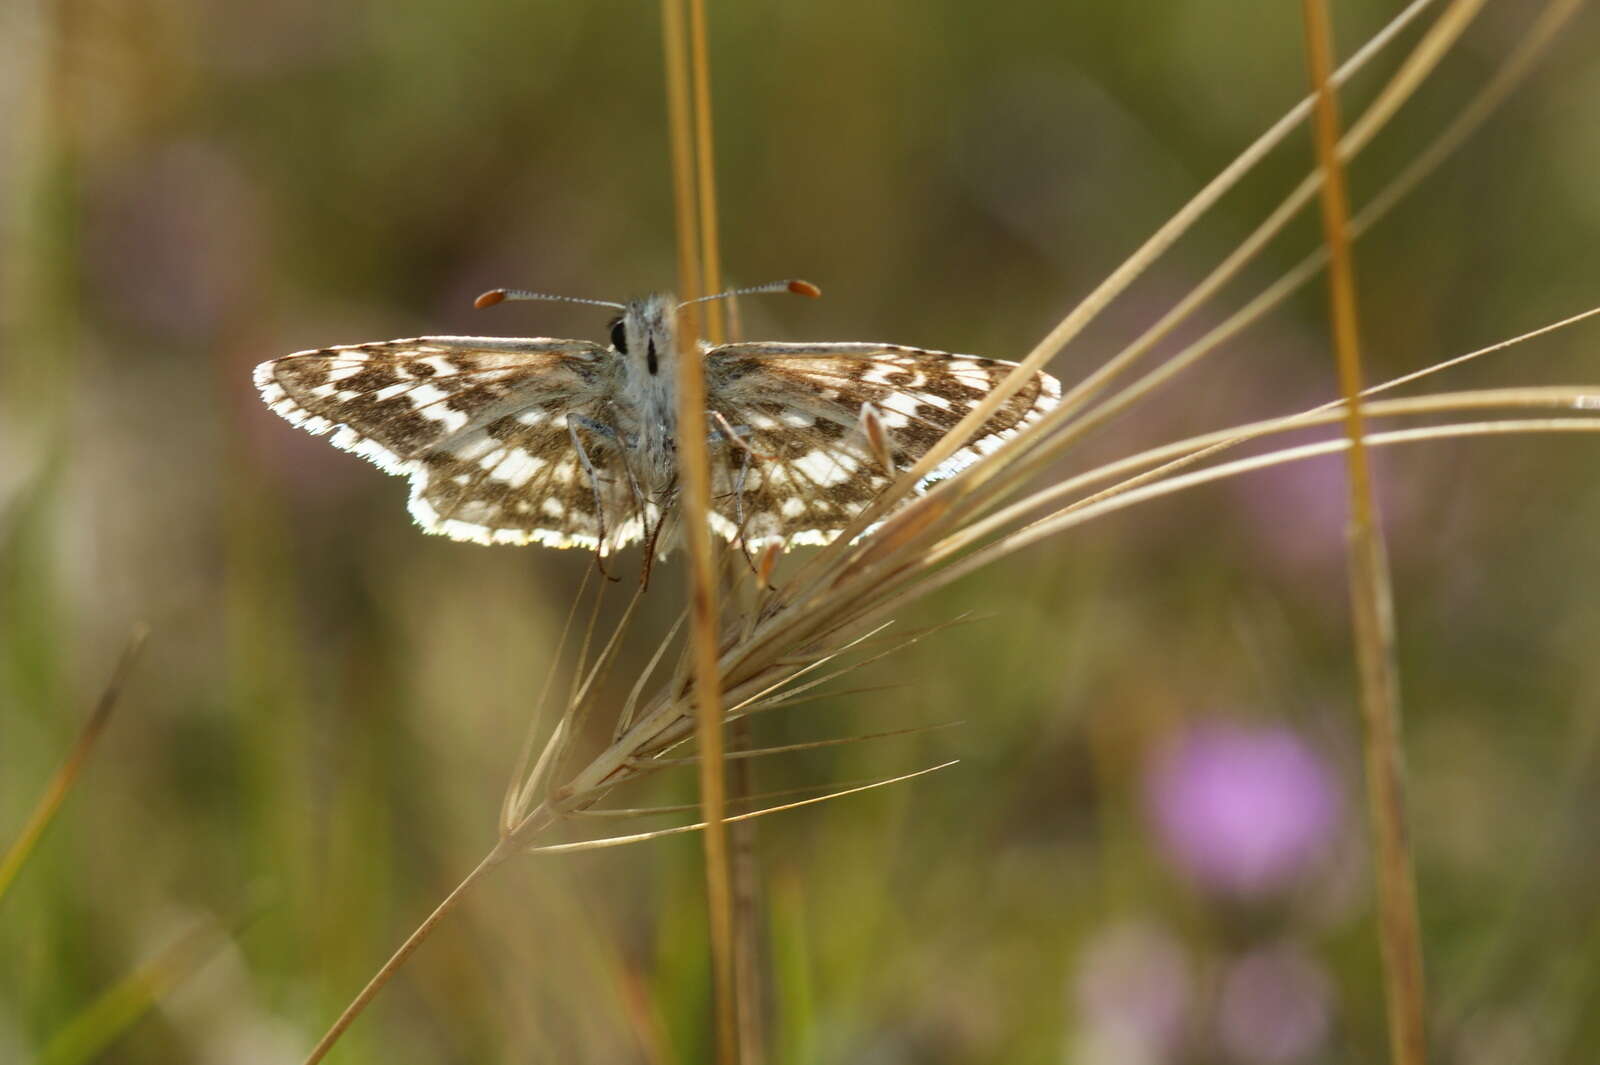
490,298
801,288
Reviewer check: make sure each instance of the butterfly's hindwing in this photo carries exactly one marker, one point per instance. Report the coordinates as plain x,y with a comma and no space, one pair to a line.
523,479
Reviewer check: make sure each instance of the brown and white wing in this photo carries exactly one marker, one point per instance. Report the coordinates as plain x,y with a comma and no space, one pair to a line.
478,424
798,406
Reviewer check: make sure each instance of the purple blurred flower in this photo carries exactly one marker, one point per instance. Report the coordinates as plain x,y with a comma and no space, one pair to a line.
1244,810
1134,994
1274,1006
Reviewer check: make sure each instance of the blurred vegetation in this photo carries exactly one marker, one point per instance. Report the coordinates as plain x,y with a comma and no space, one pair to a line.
323,722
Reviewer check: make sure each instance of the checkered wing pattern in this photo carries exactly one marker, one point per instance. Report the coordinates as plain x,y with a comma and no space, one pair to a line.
807,466
479,425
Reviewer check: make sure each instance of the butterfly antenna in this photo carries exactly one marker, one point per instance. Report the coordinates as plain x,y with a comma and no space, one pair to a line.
500,295
795,285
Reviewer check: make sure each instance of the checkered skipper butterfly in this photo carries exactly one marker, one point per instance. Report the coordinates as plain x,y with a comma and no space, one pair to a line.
569,443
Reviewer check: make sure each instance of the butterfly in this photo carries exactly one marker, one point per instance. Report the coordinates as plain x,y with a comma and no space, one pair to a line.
572,443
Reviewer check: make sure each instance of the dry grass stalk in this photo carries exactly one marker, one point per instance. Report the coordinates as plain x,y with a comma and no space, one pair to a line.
772,645
1371,592
1097,301
696,186
816,615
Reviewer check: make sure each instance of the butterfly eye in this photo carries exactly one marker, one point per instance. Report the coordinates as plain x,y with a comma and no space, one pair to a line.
619,336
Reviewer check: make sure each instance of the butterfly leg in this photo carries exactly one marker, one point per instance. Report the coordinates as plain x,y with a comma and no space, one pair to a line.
626,445
647,563
728,433
639,500
594,485
652,533
738,509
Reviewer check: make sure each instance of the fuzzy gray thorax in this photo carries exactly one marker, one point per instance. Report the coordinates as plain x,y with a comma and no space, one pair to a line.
645,340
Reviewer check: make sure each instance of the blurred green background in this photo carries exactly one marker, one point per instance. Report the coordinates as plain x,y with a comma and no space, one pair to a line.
1152,850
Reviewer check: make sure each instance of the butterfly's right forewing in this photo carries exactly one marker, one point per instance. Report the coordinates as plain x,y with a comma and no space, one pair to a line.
809,467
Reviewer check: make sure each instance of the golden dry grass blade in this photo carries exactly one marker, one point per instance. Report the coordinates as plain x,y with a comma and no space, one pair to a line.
811,665
1001,473
526,785
641,837
1473,115
1445,32
580,664
1105,293
681,139
748,963
813,745
1070,517
620,812
60,785
901,595
539,775
813,697
773,698
518,787
705,171
631,705
581,703
1048,438
786,697
688,61
1371,593
1170,458
1184,453
694,475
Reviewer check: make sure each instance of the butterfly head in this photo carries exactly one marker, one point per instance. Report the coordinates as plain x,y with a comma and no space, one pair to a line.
644,333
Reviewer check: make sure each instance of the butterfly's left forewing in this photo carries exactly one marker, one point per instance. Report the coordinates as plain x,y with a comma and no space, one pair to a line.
478,424
806,466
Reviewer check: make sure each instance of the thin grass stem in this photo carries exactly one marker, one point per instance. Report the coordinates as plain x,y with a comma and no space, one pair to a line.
1173,457
812,745
381,978
1471,117
678,830
618,813
518,788
1045,440
705,172
688,68
1102,296
901,595
745,871
631,705
60,785
582,698
1183,453
680,135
